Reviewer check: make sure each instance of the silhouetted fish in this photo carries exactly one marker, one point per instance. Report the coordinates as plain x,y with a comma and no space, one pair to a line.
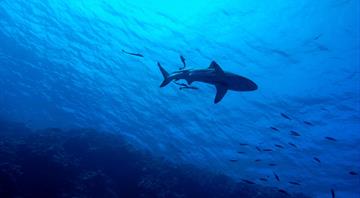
285,116
332,193
322,47
241,152
283,191
308,123
272,164
276,176
214,75
183,62
324,109
181,84
133,54
263,179
330,138
185,86
188,87
279,146
267,149
294,183
248,181
257,148
292,144
294,133
274,128
353,173
244,144
317,37
280,52
257,160
317,159
233,160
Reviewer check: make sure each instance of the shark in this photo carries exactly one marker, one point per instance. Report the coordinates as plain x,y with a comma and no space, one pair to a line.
214,75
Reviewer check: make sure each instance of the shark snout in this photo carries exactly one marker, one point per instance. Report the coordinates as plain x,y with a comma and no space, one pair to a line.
252,86
243,84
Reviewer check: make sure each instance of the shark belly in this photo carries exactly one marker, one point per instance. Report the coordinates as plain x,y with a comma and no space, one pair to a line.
239,83
230,81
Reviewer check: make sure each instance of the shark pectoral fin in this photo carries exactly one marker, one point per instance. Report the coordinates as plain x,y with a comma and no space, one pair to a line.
220,93
216,67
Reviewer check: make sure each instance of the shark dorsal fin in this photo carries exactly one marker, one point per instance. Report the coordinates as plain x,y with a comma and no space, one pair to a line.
220,92
216,67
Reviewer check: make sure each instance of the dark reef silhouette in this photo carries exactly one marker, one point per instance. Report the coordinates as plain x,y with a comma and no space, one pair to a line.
88,163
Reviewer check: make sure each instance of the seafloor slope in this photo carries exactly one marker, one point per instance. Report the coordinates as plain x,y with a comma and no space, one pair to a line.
87,163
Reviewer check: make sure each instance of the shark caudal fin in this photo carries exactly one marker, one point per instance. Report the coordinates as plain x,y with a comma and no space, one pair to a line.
165,75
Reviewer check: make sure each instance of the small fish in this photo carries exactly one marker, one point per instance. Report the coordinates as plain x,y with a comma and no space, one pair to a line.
272,164
294,133
279,146
188,87
280,52
317,159
276,176
183,62
322,47
332,193
241,152
133,54
317,37
248,181
181,84
263,179
294,183
185,86
233,160
285,116
267,149
353,173
257,160
244,144
292,144
330,138
283,191
274,128
257,148
308,123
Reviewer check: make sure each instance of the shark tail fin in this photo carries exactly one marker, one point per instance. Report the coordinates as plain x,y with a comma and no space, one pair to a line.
165,74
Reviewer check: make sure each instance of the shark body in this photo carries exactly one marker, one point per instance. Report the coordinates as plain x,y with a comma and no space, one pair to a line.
214,75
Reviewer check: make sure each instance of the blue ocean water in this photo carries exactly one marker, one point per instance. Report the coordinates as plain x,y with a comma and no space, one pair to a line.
62,65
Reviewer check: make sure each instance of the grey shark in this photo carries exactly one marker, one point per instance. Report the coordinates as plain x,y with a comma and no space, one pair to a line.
214,75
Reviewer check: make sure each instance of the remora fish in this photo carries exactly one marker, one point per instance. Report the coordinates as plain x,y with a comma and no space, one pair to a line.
133,54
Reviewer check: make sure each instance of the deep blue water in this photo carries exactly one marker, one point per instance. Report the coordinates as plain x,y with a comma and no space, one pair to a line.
62,65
